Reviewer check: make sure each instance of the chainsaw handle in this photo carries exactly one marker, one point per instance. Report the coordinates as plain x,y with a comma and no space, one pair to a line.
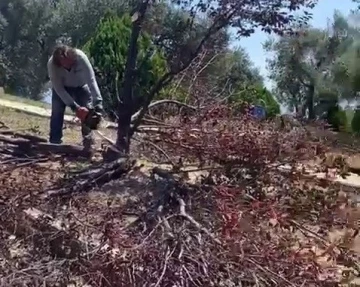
82,113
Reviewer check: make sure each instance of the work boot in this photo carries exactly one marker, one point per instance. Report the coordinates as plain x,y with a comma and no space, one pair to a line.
55,142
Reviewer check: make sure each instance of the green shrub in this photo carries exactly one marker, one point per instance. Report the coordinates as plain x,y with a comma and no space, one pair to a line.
108,50
336,117
271,105
355,123
342,120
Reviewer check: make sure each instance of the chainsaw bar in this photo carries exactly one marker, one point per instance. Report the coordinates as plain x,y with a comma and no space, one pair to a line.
92,122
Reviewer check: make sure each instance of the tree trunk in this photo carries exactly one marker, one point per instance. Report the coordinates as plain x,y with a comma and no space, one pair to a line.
310,102
125,108
296,106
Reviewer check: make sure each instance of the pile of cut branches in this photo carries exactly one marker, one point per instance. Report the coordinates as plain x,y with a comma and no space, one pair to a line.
231,137
245,222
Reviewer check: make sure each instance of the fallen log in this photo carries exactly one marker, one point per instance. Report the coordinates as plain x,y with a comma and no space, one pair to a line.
33,138
28,146
14,141
65,149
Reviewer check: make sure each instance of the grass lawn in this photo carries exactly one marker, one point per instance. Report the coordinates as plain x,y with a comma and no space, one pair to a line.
23,100
19,120
27,101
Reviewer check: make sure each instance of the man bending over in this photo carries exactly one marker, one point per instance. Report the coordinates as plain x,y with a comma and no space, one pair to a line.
74,85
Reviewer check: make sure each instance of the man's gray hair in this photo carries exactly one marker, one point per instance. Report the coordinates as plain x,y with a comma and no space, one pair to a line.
62,51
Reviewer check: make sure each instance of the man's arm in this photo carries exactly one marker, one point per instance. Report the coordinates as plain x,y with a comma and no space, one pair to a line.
59,87
89,77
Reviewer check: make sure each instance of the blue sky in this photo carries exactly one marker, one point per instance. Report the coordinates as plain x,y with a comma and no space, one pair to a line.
323,11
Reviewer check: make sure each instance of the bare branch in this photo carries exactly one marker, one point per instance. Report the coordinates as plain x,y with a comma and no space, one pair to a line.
219,23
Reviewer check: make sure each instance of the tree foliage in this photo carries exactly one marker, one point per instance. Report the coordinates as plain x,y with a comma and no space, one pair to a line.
298,66
233,70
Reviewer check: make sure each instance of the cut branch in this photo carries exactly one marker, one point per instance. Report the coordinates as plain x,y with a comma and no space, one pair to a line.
184,214
158,149
181,186
88,179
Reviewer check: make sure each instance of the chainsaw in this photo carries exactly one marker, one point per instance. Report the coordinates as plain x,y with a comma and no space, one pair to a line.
92,119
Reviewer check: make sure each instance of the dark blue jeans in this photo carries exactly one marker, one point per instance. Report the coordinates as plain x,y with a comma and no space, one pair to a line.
82,97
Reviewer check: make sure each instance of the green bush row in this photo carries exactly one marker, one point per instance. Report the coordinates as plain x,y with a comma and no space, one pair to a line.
342,120
355,123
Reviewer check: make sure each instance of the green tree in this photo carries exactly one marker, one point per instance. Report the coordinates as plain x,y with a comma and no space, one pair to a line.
316,63
271,105
237,79
108,49
86,14
170,31
297,66
24,50
233,70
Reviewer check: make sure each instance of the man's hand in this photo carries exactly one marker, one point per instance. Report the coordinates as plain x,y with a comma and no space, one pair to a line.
81,113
